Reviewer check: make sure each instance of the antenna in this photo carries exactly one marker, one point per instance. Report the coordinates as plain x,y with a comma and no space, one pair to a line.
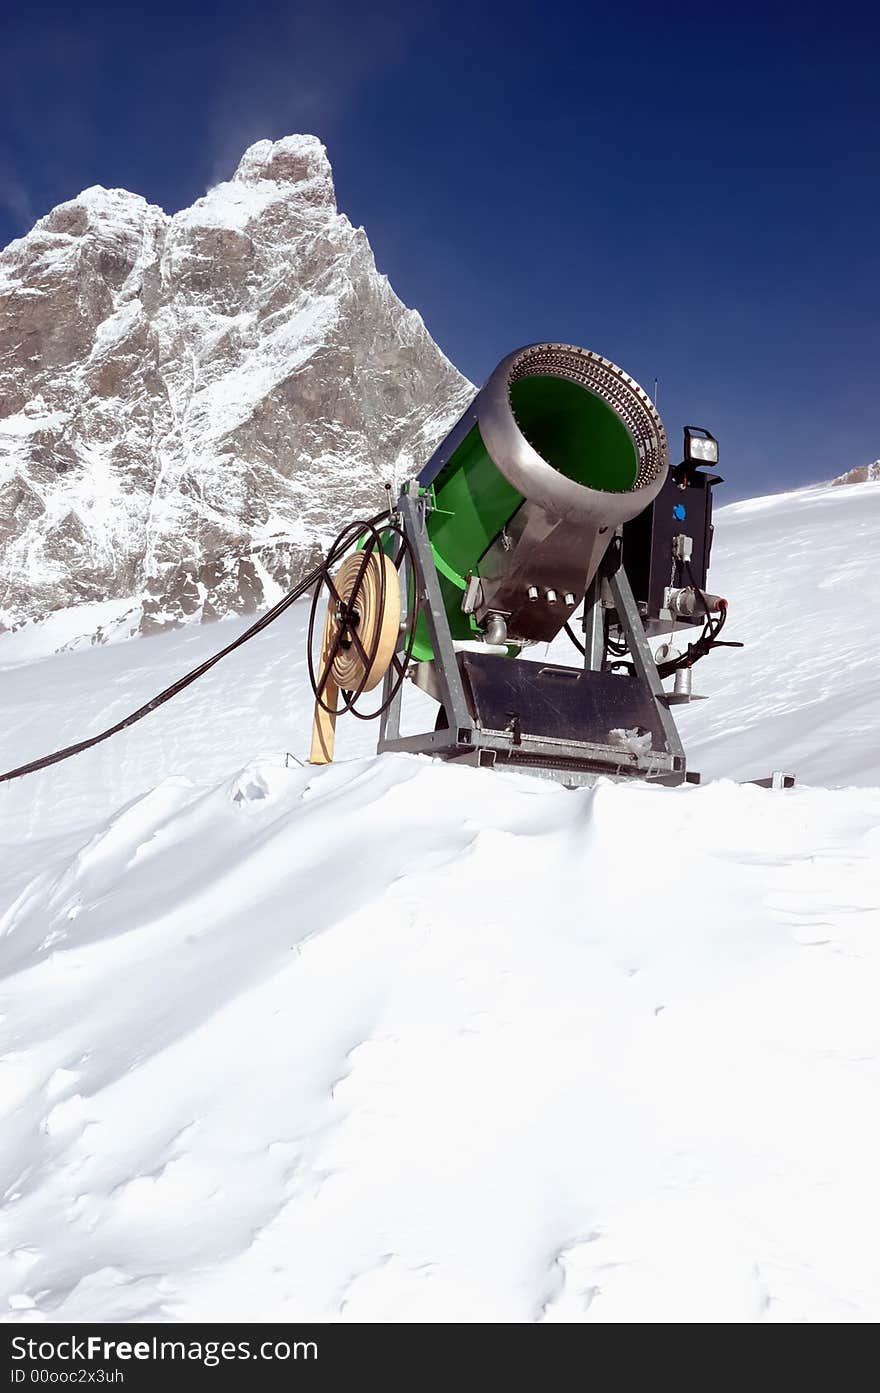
656,389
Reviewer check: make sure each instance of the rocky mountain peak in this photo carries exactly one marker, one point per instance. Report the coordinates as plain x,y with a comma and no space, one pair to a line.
191,406
297,159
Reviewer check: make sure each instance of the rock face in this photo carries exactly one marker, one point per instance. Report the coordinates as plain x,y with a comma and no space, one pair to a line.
860,475
191,406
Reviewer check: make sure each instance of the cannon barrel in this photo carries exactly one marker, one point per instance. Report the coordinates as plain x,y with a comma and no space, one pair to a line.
557,449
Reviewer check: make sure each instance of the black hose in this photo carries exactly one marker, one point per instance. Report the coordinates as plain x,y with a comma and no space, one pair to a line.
343,541
581,648
708,638
695,651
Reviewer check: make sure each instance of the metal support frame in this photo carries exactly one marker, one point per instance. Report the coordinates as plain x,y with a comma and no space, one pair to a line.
571,762
594,625
630,622
426,583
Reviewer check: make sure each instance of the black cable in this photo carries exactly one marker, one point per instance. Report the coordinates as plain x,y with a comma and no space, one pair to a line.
703,601
610,645
695,651
708,638
581,648
343,541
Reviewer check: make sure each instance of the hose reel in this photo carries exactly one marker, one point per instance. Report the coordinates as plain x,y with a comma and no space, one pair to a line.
364,629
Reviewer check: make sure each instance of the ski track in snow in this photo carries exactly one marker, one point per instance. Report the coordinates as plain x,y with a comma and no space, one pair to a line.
395,1040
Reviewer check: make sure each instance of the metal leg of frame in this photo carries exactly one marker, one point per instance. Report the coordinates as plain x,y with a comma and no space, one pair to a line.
412,510
426,582
389,721
594,626
643,658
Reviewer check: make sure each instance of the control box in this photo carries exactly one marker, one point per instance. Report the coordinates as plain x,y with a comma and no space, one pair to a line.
668,545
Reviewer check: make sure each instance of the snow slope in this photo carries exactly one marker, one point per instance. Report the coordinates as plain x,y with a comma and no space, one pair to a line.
800,571
396,1041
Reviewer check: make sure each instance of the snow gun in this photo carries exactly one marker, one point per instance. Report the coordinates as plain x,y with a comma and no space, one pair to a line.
552,497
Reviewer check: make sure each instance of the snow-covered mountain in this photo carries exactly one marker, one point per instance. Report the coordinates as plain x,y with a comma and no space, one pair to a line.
399,1040
191,406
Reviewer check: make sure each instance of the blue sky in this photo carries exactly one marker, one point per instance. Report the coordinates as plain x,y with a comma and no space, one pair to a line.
691,189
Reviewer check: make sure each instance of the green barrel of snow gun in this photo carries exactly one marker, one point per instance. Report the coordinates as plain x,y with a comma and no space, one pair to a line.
557,450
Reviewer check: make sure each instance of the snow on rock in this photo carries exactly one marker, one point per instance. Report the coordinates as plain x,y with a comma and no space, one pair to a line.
863,473
189,404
